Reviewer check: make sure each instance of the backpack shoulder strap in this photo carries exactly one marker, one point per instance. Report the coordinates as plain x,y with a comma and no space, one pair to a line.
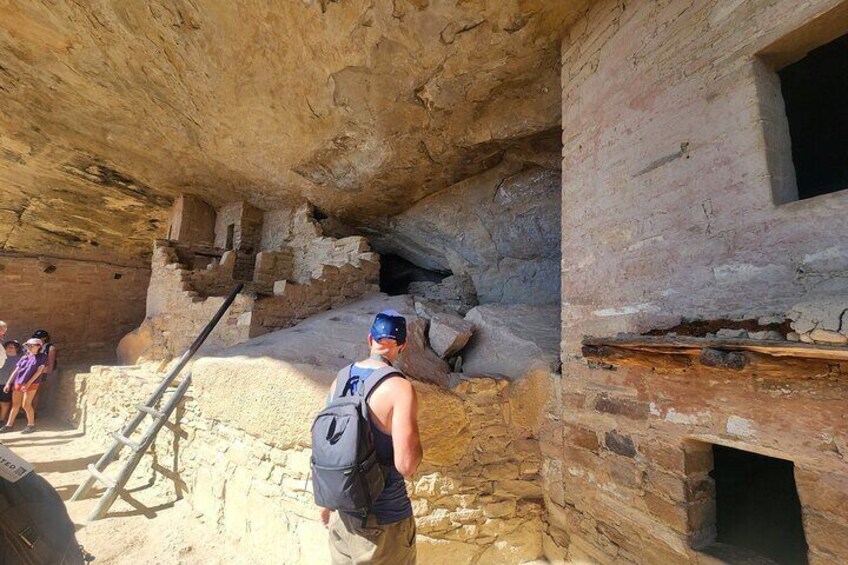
375,378
342,379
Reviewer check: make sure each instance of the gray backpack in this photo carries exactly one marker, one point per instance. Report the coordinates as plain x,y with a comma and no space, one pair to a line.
346,474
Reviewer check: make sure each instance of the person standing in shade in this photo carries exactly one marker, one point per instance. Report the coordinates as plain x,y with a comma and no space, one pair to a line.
42,395
13,351
3,328
23,384
387,536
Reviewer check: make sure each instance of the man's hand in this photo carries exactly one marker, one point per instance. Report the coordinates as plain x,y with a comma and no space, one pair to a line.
24,388
325,517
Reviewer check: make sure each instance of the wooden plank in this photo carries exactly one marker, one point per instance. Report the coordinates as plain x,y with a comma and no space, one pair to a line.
760,365
708,359
104,480
150,411
689,345
720,359
631,358
125,440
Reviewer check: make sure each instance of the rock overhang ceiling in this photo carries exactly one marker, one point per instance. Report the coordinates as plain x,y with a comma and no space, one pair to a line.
110,109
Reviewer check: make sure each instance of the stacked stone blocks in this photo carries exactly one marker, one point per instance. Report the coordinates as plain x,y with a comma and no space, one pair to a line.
479,502
181,300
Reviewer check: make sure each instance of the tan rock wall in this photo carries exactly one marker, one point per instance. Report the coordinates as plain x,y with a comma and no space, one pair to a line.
86,306
364,107
668,213
244,466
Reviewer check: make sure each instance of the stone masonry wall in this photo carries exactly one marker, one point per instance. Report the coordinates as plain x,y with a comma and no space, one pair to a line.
668,213
180,300
477,497
272,266
312,255
332,287
176,314
86,306
668,184
192,221
247,226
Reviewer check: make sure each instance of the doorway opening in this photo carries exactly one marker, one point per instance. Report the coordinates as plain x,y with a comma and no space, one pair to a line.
757,505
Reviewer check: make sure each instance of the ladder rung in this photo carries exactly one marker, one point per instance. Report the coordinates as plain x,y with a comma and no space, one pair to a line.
101,477
152,411
126,441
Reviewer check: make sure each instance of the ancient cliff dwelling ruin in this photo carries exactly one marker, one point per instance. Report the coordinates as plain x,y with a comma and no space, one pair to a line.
617,229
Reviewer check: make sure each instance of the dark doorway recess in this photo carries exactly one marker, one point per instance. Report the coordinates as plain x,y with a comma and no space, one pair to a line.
231,236
396,273
815,92
757,505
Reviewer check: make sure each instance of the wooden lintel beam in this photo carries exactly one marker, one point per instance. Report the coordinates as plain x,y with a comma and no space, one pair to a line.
693,345
634,358
712,359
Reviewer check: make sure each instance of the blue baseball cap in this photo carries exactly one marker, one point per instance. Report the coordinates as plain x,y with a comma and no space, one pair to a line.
389,324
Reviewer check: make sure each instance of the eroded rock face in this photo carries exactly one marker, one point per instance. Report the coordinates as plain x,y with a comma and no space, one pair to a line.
513,340
501,228
107,112
448,332
301,362
821,318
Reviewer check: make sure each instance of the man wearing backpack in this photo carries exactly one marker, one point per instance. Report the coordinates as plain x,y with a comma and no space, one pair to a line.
364,443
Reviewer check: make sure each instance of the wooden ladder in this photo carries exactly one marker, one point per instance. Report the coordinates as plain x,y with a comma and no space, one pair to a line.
114,487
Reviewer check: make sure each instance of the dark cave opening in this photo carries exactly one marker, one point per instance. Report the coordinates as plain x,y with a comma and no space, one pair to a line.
396,274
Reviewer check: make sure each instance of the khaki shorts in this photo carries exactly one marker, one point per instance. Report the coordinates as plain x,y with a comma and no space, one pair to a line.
375,544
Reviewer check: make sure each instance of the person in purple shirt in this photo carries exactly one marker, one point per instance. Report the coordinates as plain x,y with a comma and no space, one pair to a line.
13,352
23,383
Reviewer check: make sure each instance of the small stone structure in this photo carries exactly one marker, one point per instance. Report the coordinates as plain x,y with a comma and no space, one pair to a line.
287,281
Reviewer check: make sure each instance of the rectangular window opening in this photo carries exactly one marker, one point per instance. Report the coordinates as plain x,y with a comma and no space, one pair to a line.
815,95
231,233
758,512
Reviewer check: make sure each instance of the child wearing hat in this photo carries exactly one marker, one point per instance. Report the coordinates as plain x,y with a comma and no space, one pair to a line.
23,383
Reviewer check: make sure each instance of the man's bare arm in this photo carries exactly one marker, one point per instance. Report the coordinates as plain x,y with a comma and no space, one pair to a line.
405,438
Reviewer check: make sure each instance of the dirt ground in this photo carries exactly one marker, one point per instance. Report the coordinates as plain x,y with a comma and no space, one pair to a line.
140,528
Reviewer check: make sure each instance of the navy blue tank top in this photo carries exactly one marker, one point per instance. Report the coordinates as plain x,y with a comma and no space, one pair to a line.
393,504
